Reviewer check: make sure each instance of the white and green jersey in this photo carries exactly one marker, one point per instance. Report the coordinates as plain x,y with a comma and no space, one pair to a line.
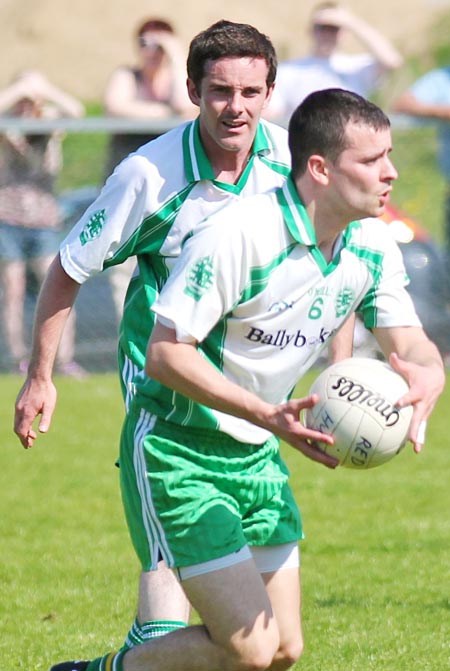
150,204
255,290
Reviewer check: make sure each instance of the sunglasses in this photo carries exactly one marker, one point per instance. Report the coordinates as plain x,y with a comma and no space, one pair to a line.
327,28
149,43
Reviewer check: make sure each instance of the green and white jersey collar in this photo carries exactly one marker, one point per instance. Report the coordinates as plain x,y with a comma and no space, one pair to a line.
301,227
198,167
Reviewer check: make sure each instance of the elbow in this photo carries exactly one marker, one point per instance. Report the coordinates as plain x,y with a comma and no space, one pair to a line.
151,366
78,110
397,61
112,109
400,105
155,363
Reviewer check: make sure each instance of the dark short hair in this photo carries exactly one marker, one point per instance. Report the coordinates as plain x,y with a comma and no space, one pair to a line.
226,39
156,25
319,123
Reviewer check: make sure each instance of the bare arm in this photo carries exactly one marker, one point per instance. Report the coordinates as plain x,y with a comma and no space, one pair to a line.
10,95
412,354
407,103
379,46
38,394
181,367
342,344
32,84
179,99
121,99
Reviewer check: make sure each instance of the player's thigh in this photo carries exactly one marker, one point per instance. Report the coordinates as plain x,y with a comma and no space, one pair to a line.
235,608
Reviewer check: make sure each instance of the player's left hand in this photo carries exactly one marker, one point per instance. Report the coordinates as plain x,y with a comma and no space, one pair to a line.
425,385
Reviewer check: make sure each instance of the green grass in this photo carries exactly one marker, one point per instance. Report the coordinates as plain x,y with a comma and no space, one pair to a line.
375,564
420,189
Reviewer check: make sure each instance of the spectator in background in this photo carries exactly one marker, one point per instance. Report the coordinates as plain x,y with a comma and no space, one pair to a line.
326,67
29,213
429,98
154,89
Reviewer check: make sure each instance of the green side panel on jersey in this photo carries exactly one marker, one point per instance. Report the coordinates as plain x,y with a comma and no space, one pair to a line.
150,236
373,259
173,407
260,276
213,347
139,320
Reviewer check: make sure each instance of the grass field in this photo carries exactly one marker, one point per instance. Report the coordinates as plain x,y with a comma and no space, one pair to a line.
375,563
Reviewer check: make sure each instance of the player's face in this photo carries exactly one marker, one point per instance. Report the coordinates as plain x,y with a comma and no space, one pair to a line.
232,95
361,178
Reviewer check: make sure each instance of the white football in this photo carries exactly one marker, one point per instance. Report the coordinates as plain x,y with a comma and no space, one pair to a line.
357,406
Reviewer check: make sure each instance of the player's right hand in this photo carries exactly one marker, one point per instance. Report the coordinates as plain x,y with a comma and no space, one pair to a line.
286,424
36,398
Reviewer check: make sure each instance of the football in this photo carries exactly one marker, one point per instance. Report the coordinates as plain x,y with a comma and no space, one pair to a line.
356,406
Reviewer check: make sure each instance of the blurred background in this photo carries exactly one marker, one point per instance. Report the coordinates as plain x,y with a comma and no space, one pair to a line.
79,45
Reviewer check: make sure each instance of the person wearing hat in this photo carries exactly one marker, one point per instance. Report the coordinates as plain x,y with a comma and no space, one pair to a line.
327,67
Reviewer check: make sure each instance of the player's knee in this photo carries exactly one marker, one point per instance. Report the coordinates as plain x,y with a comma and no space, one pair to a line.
255,652
288,653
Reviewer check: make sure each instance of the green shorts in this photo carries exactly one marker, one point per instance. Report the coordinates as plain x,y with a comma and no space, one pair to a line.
193,495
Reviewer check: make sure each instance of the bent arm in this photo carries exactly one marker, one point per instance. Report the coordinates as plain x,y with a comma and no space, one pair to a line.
67,104
412,354
407,103
342,344
379,46
10,95
121,99
181,367
34,85
38,394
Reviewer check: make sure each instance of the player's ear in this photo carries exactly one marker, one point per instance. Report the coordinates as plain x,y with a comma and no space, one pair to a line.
317,167
268,95
192,92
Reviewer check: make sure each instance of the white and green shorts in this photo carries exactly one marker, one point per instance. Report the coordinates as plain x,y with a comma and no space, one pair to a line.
193,495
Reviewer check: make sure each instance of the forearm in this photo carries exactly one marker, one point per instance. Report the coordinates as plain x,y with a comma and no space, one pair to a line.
139,109
67,104
380,47
408,104
181,367
56,298
11,95
411,344
342,344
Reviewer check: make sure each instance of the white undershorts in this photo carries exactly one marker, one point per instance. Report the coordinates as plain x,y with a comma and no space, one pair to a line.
268,559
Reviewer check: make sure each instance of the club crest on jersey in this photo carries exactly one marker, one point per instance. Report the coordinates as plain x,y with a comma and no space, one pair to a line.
344,301
93,228
199,278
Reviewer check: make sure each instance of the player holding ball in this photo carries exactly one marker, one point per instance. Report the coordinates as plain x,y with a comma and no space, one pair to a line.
251,304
